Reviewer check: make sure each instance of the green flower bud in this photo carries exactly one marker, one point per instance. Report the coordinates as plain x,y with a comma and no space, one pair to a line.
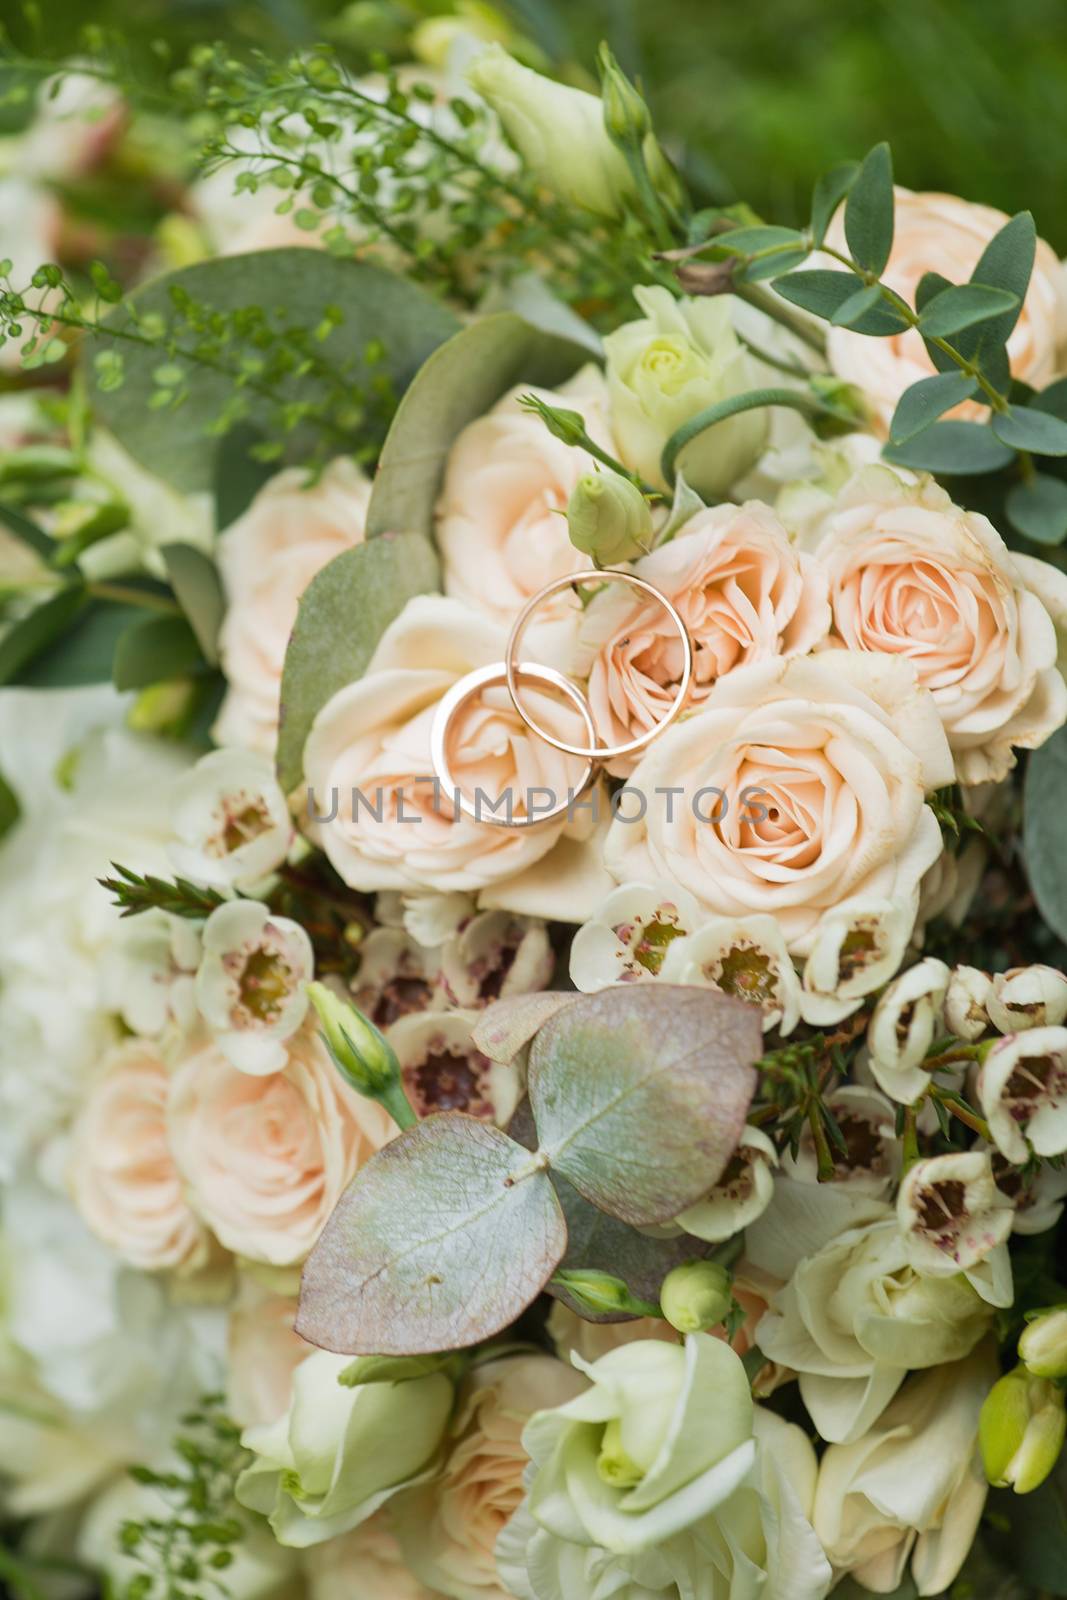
608,518
598,1294
361,1053
626,116
1043,1345
1021,1431
696,1295
613,1465
163,708
561,423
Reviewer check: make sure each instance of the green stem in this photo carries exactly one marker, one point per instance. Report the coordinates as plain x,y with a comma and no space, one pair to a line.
823,1153
399,1107
910,1138
754,294
756,399
123,595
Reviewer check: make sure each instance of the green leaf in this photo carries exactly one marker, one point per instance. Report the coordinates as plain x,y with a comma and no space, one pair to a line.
952,447
746,241
1006,263
957,308
1024,428
27,531
869,211
198,589
830,189
82,648
295,283
239,474
926,400
440,1241
1053,399
1038,509
1045,857
154,649
36,631
1034,1540
619,1080
342,614
459,382
10,809
823,292
856,307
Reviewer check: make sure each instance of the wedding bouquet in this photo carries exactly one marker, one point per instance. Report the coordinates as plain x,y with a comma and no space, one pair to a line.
533,1046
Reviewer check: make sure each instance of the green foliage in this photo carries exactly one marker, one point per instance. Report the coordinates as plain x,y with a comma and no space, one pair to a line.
1037,508
10,810
134,894
869,211
1046,859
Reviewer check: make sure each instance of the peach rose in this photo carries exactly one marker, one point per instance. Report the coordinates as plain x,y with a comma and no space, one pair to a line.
744,593
263,1351
448,1528
798,786
123,1175
368,759
365,1563
942,233
266,1159
268,557
911,574
507,481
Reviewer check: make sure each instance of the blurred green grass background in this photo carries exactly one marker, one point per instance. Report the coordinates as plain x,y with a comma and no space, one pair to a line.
760,97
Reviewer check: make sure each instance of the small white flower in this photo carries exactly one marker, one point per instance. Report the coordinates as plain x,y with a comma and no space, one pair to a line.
494,955
397,976
1027,997
1037,1194
965,1003
867,1121
742,1194
902,1027
442,1069
430,918
230,819
252,984
148,975
1023,1092
952,1212
742,956
628,939
858,947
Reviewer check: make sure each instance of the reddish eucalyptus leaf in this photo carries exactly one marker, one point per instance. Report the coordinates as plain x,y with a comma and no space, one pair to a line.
507,1025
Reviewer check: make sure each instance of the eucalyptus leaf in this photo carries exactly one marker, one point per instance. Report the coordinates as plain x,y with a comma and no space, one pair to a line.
239,473
1044,855
459,382
1024,428
27,531
830,189
952,447
1053,399
1037,508
10,809
507,1026
342,614
37,630
1007,263
926,400
440,1241
297,285
856,307
869,211
640,1094
957,308
823,292
198,589
153,649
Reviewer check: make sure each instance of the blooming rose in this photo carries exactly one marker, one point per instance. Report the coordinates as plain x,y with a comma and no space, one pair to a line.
742,590
374,737
911,1487
448,1528
912,574
942,233
263,1351
123,1176
507,480
292,528
266,1159
798,786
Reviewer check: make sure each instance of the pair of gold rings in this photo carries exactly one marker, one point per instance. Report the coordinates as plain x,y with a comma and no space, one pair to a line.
512,672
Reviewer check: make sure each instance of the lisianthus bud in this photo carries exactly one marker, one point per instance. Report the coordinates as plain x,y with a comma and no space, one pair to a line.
163,708
696,1296
626,116
608,518
1043,1345
965,1002
361,1053
1021,1431
599,1294
1027,997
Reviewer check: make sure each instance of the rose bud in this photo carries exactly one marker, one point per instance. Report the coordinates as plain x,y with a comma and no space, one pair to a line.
608,518
1043,1345
1021,1431
696,1295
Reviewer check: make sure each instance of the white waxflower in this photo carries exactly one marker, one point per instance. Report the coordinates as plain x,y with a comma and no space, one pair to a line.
952,1212
252,984
858,947
231,823
1022,1088
494,955
965,1002
867,1121
1037,1193
429,917
397,976
443,1070
628,939
742,956
902,1029
1027,997
148,975
742,1194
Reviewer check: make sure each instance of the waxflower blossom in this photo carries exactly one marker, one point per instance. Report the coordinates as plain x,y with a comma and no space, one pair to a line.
397,975
494,955
442,1070
858,947
965,1002
742,956
631,936
741,1195
1027,997
1022,1088
1038,1193
252,983
148,975
231,823
952,1212
871,1160
902,1029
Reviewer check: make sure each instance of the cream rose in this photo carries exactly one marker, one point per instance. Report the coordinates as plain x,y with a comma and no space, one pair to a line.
742,590
123,1176
266,1159
366,1562
912,574
268,557
448,1528
263,1351
942,233
500,527
368,759
798,786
